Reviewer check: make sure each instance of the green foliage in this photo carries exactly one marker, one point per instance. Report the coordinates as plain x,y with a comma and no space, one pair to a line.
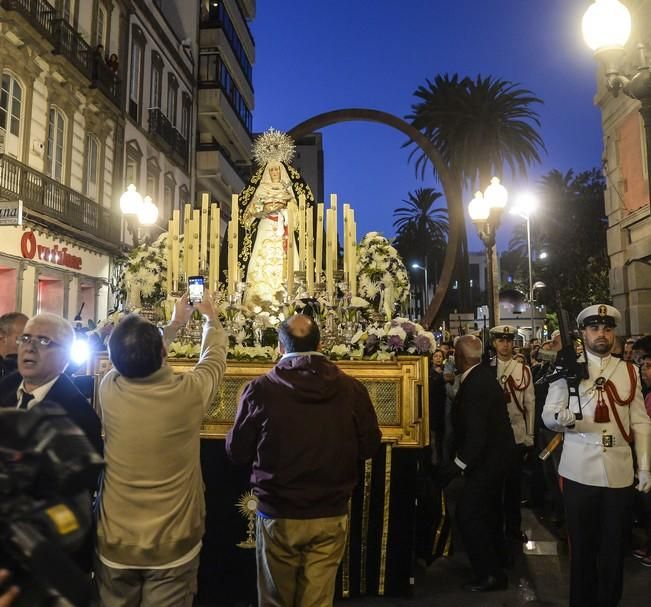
570,225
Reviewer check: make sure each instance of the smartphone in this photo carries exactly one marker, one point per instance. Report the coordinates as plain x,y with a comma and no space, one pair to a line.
195,289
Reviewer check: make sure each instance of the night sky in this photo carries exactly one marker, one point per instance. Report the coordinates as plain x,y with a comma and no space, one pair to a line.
313,57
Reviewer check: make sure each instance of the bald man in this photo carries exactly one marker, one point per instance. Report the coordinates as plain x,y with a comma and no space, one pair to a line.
484,446
304,427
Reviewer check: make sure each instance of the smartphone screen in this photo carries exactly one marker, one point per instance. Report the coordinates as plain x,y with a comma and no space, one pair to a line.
195,289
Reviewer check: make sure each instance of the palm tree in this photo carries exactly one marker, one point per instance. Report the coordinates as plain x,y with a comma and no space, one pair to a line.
479,126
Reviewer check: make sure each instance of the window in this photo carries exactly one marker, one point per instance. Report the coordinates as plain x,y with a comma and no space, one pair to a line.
186,113
102,23
184,195
172,91
156,80
134,156
54,157
208,63
11,104
153,175
91,177
135,80
168,195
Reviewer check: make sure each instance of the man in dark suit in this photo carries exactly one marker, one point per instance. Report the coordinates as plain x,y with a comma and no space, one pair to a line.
484,446
12,325
43,355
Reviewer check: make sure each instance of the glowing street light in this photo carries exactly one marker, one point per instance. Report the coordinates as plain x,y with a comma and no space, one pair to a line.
415,266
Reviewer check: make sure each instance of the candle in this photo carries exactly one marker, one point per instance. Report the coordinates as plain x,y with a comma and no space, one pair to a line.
213,274
335,248
353,254
195,224
205,201
301,231
235,219
168,278
346,245
175,249
309,260
232,260
329,259
187,217
290,249
318,270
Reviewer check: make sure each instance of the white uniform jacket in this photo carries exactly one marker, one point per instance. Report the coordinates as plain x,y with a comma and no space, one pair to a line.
594,453
517,383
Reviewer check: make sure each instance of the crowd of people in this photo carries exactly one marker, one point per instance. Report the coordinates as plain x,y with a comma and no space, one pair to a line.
303,429
599,403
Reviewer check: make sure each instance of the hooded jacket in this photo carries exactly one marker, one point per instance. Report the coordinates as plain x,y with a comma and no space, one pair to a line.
304,427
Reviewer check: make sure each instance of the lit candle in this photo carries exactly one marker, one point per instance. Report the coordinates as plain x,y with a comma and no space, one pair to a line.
175,249
205,202
346,245
318,270
232,259
333,208
353,254
213,272
170,271
290,249
187,218
235,219
301,231
309,261
196,223
329,258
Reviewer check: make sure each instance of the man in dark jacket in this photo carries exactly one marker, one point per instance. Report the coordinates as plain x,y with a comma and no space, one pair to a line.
304,426
11,327
484,447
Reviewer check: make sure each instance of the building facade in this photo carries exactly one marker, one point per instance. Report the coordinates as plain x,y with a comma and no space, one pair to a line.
60,132
627,188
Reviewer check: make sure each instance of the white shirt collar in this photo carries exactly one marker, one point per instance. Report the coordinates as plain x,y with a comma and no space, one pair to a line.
293,354
465,373
598,360
39,393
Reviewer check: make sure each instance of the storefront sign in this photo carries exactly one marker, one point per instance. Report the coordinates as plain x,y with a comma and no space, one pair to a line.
30,249
11,212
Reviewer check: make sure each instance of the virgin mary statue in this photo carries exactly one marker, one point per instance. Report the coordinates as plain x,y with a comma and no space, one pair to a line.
264,203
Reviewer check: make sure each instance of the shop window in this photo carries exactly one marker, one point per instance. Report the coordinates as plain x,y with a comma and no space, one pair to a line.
51,294
55,153
11,104
91,176
8,286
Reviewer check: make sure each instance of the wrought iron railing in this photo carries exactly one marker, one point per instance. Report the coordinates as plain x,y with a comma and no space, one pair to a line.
47,196
168,137
68,42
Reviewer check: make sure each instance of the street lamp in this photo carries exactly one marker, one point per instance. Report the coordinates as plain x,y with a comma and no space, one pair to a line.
415,266
606,28
524,205
539,284
485,211
133,207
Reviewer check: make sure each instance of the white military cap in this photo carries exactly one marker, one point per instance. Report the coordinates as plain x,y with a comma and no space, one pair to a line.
599,314
507,331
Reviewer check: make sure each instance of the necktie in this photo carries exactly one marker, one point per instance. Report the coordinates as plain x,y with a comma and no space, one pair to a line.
24,401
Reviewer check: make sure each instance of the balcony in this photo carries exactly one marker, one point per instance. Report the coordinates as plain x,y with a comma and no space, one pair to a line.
218,117
66,41
168,138
58,202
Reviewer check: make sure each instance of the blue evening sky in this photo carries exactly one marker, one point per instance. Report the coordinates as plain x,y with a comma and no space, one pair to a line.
313,57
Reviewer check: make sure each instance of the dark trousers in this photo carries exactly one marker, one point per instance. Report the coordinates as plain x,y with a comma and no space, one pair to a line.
513,494
598,525
478,519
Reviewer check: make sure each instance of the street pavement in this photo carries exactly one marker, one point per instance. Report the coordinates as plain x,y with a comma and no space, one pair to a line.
538,578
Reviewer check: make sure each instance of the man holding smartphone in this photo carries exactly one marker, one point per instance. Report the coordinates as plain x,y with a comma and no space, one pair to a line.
152,509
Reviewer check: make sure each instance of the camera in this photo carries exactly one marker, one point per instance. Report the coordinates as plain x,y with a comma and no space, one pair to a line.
48,469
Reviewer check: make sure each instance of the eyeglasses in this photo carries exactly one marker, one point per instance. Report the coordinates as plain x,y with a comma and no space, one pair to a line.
40,341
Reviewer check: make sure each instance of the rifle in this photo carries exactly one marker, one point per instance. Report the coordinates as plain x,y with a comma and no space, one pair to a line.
569,366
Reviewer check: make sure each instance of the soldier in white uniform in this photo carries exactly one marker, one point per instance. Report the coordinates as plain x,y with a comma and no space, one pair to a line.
516,381
596,466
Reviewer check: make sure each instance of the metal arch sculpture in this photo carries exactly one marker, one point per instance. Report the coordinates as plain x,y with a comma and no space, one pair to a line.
451,187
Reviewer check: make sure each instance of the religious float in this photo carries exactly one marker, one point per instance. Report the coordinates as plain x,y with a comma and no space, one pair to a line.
280,255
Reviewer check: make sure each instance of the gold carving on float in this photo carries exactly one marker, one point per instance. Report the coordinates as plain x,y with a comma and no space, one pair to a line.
385,521
398,390
366,504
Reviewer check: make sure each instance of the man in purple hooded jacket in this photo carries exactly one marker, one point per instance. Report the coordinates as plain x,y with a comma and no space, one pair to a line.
304,427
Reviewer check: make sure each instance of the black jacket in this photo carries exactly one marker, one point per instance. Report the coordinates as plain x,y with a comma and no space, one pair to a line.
65,394
481,422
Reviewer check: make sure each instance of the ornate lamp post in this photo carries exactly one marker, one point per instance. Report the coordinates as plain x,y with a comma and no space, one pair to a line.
135,208
415,266
524,206
606,29
485,211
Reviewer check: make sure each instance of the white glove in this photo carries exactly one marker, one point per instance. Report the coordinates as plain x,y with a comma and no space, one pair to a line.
644,481
565,417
